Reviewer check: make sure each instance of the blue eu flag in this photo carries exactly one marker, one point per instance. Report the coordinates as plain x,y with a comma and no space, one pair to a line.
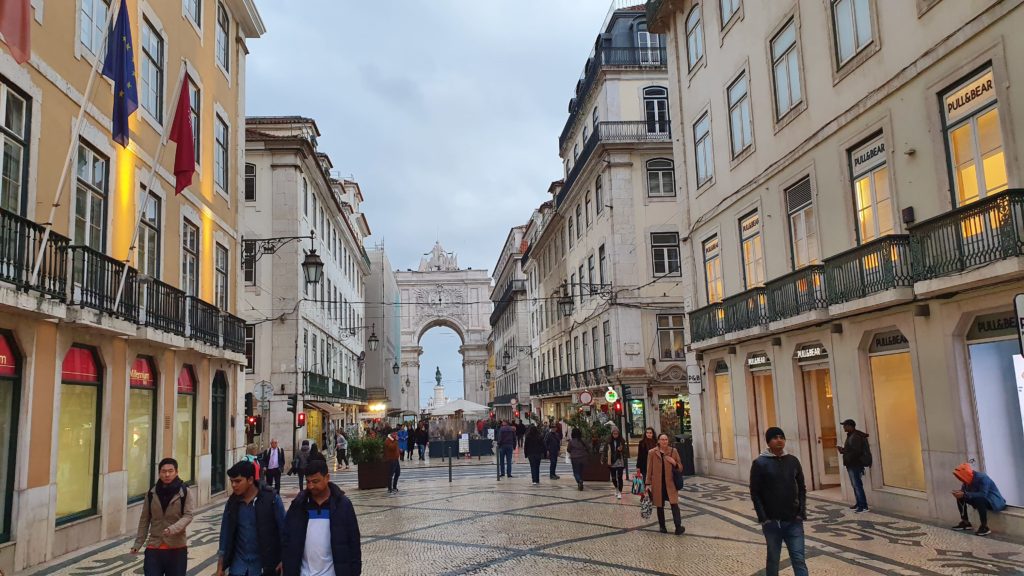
119,66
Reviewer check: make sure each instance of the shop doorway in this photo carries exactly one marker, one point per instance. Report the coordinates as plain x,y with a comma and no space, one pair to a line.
219,432
765,414
821,421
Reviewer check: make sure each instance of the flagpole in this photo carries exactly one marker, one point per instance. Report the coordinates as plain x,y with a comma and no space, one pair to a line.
149,183
79,121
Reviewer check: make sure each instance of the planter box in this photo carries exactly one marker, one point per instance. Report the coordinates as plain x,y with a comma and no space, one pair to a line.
595,471
372,475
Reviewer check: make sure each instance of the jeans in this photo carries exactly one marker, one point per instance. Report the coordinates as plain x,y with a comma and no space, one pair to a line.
535,468
979,504
505,460
857,481
302,480
421,447
792,533
577,471
616,474
165,562
394,471
273,479
554,462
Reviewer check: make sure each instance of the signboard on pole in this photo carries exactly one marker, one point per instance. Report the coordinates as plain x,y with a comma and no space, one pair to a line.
1018,308
586,397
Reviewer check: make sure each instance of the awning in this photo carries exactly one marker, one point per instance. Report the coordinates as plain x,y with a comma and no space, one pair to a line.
324,407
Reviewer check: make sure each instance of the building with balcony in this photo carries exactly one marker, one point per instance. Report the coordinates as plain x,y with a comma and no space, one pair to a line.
510,329
384,314
855,237
607,243
303,339
114,355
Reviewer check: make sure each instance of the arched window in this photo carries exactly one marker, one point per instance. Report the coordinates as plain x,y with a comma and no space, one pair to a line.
694,38
656,110
660,178
78,436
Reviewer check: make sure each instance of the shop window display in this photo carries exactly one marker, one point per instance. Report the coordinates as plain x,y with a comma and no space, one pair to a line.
140,435
78,435
674,413
899,434
184,416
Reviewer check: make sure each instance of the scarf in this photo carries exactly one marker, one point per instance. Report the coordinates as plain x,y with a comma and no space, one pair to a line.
165,492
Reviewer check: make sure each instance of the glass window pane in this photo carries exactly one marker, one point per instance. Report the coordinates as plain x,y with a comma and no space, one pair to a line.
140,441
794,78
14,114
6,458
844,29
726,434
863,19
899,438
183,436
10,185
76,448
989,136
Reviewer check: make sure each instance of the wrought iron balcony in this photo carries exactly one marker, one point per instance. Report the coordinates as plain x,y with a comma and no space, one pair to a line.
234,333
95,278
203,321
877,266
356,393
796,293
707,322
505,399
162,306
979,233
20,239
746,310
314,384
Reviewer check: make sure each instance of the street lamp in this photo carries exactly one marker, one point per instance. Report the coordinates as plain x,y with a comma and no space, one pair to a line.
395,368
565,302
487,375
255,248
312,267
373,341
506,357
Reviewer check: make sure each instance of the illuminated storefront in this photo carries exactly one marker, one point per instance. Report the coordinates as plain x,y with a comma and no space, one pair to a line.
899,432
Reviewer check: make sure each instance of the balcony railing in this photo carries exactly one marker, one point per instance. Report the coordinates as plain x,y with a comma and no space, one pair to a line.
979,233
316,384
203,321
20,239
566,382
163,306
504,399
95,279
506,299
746,310
234,333
796,293
879,265
707,322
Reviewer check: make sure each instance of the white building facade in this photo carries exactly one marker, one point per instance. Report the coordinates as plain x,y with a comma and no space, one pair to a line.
510,327
384,314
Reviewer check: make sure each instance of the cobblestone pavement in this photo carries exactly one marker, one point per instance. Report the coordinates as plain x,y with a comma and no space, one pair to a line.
476,525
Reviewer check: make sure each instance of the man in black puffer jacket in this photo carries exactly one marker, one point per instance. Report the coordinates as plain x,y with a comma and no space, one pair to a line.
321,532
780,500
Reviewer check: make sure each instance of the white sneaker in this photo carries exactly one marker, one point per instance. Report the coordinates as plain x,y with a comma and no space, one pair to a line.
618,495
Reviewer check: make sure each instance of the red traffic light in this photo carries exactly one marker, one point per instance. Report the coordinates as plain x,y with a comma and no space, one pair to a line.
618,406
517,413
300,419
251,420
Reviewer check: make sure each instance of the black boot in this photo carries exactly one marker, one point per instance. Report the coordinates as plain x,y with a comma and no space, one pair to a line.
661,520
677,518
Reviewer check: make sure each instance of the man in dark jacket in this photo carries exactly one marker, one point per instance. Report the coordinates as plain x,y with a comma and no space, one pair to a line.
552,445
856,456
321,530
272,461
780,500
506,445
250,528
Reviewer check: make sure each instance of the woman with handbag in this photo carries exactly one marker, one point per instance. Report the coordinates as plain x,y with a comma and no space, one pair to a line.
647,443
664,479
616,451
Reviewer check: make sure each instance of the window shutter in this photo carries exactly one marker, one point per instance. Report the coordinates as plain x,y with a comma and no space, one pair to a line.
798,195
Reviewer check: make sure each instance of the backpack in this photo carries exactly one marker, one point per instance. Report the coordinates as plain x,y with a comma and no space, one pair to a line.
865,457
184,494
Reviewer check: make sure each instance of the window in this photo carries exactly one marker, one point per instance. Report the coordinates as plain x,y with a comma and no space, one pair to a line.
184,417
656,110
579,220
598,196
660,178
249,262
223,47
190,258
665,253
14,110
141,427
594,347
572,286
78,436
194,11
595,117
220,274
601,265
852,19
586,134
871,190
92,19
713,270
694,38
582,278
670,336
803,229
149,238
649,45
91,198
586,352
740,125
194,104
896,412
220,158
726,445
586,209
753,252
786,70
250,182
590,275
729,9
974,138
705,161
305,197
10,408
606,328
152,68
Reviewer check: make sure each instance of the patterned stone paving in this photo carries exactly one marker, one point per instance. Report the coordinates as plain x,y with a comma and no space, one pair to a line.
476,525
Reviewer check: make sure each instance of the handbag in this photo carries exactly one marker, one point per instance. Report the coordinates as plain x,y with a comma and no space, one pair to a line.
638,484
646,507
677,478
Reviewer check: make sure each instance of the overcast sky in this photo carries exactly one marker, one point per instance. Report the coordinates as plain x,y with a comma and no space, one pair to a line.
447,113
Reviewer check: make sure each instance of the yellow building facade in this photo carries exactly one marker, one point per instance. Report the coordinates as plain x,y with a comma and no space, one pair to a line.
96,389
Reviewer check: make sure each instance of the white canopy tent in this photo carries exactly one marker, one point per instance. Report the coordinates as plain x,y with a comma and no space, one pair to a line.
465,406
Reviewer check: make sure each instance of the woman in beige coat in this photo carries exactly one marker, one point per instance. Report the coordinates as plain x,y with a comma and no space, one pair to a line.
661,461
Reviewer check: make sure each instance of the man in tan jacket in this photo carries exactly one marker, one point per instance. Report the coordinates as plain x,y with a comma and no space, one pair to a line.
166,512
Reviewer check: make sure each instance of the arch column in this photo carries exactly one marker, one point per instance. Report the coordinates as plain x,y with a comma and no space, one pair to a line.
474,364
411,370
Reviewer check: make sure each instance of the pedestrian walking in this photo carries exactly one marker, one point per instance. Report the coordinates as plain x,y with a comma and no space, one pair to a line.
977,491
424,439
533,447
341,448
391,456
647,443
856,457
663,465
301,461
412,441
251,527
506,446
616,452
321,535
553,445
166,514
403,442
577,455
520,433
273,462
780,500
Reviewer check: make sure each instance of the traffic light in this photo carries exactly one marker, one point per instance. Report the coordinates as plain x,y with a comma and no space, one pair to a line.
293,400
300,419
258,426
248,403
251,421
618,406
516,413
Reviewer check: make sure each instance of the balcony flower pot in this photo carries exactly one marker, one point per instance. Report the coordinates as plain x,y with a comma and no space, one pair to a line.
368,456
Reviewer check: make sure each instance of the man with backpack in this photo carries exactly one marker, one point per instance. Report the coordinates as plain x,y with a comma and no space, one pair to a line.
856,457
251,527
166,512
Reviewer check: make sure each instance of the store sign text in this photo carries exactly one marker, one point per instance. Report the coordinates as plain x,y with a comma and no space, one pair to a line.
868,157
971,96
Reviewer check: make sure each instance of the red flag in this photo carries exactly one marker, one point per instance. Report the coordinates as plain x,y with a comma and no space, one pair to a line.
181,134
16,26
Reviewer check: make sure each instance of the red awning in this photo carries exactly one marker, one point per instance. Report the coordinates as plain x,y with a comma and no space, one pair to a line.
80,366
142,374
186,380
8,361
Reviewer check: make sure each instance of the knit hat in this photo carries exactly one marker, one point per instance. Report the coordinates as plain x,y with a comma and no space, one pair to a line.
964,473
773,432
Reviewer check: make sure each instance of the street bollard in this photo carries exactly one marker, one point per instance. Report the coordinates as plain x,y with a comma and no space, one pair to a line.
497,460
449,470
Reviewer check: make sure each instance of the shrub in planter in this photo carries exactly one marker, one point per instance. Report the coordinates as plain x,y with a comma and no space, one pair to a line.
368,456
